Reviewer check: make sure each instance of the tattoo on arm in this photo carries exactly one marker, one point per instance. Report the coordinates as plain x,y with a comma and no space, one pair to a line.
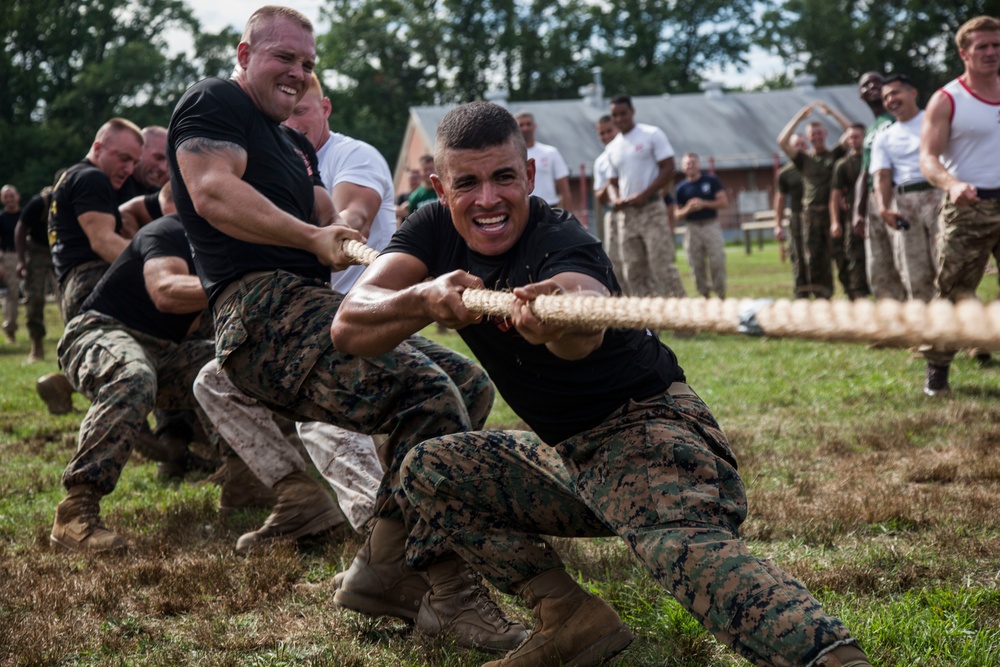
203,146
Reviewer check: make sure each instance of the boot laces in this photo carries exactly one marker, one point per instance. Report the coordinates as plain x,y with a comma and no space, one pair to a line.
90,511
479,596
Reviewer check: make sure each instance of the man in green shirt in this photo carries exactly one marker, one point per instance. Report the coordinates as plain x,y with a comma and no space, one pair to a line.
848,247
816,167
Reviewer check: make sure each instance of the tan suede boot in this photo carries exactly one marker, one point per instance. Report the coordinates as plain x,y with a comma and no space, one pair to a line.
37,352
379,582
849,655
240,487
56,392
458,607
304,509
78,526
572,627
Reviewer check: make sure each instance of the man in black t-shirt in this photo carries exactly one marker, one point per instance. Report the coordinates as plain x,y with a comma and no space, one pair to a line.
127,352
34,264
621,445
258,217
84,223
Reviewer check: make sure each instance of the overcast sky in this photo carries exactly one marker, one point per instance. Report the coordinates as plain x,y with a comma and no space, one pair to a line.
217,14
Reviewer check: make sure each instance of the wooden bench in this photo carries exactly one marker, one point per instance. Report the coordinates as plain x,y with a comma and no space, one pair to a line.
762,221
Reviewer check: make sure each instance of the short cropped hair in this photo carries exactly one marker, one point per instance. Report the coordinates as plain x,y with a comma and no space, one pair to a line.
477,125
979,24
604,119
116,125
899,78
261,16
622,99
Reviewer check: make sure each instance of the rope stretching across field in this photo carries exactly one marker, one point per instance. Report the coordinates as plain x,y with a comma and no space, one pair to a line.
940,323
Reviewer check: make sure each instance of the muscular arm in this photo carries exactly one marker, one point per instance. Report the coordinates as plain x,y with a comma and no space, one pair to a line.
213,172
356,205
100,231
841,119
172,288
934,135
392,300
134,215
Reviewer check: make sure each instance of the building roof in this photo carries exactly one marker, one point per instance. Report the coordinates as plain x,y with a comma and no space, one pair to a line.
738,130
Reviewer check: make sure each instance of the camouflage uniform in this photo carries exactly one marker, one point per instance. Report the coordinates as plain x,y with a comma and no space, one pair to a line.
790,184
915,250
80,281
969,235
124,373
405,394
647,250
660,474
883,278
35,282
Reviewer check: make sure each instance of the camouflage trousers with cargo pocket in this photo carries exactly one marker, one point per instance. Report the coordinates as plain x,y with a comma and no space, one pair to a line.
658,473
273,341
125,373
969,235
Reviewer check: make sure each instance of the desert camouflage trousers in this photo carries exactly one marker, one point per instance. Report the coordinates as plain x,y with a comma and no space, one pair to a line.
35,282
658,473
646,248
614,249
80,281
883,277
273,341
915,250
125,373
706,255
969,236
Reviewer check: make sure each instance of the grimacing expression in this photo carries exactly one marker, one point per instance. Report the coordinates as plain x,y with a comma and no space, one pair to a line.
486,190
117,156
277,67
152,170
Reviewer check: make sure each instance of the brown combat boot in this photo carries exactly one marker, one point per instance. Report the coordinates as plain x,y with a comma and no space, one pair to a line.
572,627
37,352
78,526
241,488
379,582
303,509
57,393
458,607
843,656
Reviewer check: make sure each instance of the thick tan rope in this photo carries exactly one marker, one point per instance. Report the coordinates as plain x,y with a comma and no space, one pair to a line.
940,323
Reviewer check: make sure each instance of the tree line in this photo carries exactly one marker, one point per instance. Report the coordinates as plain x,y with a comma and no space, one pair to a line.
69,65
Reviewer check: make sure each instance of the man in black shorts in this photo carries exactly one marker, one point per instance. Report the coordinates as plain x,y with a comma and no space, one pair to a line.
259,219
621,444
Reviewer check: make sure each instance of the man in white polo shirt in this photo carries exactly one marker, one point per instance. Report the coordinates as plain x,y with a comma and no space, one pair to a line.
905,201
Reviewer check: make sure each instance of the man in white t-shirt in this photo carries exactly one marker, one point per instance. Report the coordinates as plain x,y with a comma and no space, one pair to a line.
959,144
361,186
642,167
551,172
905,201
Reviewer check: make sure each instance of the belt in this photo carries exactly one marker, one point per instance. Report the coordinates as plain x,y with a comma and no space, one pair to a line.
229,290
914,187
988,193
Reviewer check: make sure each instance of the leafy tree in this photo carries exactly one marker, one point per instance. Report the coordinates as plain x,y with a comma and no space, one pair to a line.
838,40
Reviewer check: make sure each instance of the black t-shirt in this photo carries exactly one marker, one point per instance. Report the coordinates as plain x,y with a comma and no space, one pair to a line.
281,165
556,397
8,221
35,216
82,189
122,294
131,189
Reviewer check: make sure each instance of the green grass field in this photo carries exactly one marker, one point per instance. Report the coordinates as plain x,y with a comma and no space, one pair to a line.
883,502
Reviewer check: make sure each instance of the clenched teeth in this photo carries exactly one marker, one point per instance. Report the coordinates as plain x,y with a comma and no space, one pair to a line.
288,89
491,221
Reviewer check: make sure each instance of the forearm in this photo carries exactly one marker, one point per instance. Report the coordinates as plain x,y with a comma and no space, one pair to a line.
373,320
883,190
108,246
180,295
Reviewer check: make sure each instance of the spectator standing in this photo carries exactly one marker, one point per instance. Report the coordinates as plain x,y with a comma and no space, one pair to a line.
11,200
883,278
906,203
816,167
604,194
34,264
700,197
424,193
959,144
642,167
789,196
551,172
848,247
